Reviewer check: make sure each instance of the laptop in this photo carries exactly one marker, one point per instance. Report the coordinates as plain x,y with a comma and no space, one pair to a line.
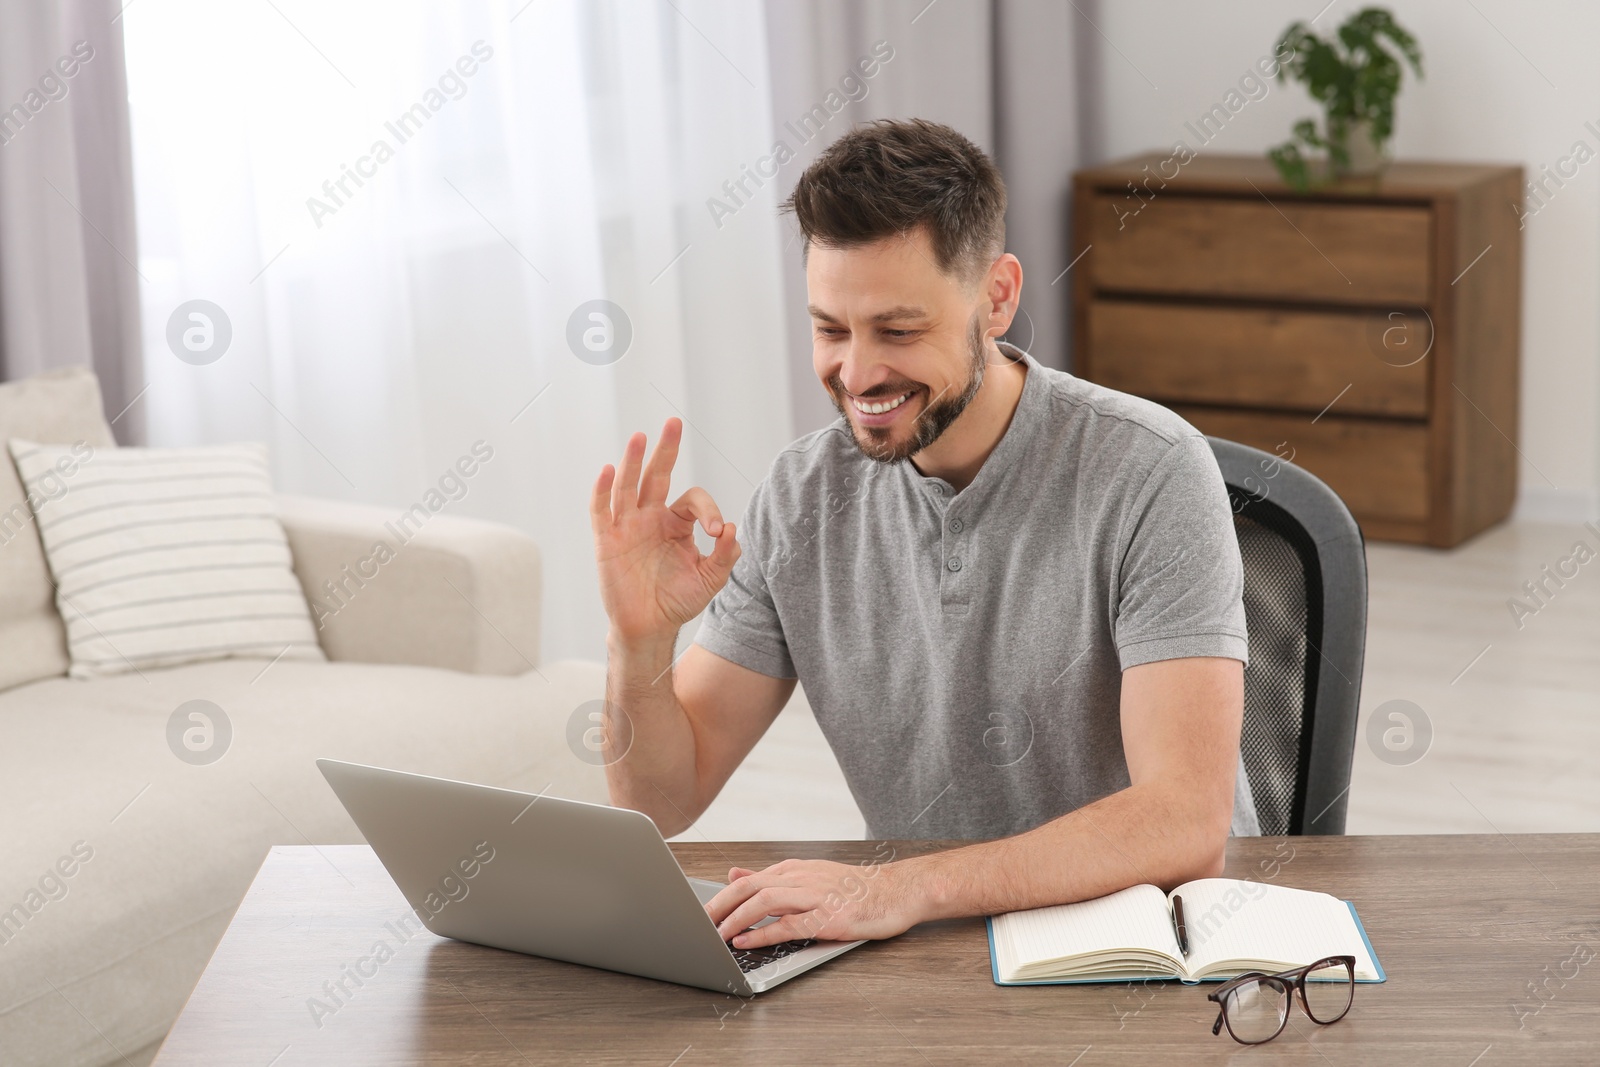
562,879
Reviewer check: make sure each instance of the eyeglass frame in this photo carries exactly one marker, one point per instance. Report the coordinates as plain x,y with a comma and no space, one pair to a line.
1293,980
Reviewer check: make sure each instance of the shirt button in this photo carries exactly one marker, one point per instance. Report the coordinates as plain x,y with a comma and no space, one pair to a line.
956,525
955,563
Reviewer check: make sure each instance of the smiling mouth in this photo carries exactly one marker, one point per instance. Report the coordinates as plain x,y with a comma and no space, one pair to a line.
881,407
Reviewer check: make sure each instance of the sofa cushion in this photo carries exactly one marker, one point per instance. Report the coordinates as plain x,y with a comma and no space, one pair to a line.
128,852
165,556
61,407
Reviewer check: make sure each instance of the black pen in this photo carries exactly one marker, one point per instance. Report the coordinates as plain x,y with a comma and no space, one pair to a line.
1183,931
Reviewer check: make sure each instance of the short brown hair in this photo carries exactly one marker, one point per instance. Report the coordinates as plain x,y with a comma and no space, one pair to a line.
888,177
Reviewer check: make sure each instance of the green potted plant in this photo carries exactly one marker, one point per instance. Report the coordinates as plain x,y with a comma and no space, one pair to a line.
1356,79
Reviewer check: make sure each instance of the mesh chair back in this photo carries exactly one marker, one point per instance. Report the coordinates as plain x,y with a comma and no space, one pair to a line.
1305,601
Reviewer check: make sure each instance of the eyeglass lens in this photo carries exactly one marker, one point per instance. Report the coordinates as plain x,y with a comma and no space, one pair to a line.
1256,1010
1328,991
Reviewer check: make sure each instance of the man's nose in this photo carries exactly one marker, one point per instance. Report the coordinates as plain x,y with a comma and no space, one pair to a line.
862,370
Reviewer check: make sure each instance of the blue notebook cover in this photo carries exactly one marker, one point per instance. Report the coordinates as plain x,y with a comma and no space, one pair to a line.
994,965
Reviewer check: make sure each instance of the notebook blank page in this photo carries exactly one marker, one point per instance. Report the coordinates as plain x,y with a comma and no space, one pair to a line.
1131,918
1233,920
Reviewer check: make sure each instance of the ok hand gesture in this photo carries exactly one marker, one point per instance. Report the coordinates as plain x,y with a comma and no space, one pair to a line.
653,578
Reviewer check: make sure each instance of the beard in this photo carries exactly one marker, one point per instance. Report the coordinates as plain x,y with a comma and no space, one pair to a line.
936,417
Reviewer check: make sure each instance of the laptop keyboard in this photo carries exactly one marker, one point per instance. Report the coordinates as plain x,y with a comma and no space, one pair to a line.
751,958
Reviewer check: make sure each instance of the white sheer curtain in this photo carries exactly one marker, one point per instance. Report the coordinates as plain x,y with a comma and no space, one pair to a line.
559,152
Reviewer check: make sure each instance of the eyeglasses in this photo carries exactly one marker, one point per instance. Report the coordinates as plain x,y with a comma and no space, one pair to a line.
1256,1006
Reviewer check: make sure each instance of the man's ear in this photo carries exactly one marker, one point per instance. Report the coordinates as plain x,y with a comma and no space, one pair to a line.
1003,294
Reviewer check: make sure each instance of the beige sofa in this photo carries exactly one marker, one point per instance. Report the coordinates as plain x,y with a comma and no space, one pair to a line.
433,667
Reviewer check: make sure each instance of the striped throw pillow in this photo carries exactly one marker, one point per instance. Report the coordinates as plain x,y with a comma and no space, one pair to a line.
164,556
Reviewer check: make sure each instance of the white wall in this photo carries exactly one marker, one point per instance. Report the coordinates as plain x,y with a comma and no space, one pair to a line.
1503,82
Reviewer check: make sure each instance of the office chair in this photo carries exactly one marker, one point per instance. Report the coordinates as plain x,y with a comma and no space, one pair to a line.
1305,604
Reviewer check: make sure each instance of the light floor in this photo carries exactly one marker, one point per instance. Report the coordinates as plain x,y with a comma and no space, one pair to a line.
1514,710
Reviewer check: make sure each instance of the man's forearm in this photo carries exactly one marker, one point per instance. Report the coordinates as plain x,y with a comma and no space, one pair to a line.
1148,833
650,744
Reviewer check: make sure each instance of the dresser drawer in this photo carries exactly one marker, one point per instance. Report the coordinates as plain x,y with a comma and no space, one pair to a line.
1255,357
1378,467
1214,246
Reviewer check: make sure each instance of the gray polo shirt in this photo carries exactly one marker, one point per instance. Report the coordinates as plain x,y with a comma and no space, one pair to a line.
963,651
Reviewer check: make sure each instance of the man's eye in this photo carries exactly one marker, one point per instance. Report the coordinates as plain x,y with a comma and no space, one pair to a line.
899,333
829,331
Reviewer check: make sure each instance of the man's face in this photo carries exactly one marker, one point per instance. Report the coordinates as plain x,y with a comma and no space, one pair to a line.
898,344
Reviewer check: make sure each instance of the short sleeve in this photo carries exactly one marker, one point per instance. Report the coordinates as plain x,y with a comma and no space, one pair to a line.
1180,580
741,623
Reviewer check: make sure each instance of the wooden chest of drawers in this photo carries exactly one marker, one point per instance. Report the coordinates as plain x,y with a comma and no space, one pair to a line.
1369,331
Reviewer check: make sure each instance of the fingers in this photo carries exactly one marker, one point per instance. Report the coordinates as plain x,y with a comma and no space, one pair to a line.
730,896
725,553
736,892
773,900
628,489
658,472
625,493
799,926
697,504
600,499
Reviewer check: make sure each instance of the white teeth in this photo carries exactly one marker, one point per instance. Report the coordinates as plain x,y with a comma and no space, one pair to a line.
879,409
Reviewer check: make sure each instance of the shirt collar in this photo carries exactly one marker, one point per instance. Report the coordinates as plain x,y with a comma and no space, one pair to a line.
1011,443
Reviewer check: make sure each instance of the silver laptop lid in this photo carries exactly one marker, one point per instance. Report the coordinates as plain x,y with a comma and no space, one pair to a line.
564,879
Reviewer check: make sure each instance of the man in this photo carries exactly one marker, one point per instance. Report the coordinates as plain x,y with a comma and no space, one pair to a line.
1013,597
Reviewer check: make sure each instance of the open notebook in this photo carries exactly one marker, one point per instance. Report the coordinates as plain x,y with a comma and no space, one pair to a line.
1233,926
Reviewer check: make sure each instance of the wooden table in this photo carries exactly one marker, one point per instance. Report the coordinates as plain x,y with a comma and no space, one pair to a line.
1490,943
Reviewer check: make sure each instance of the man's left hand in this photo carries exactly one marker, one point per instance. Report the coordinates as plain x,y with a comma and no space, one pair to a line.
814,899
